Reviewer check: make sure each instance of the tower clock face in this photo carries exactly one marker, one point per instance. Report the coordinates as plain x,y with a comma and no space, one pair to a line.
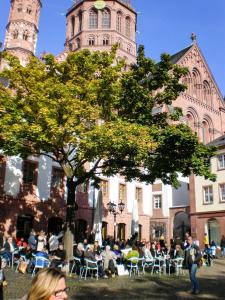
99,4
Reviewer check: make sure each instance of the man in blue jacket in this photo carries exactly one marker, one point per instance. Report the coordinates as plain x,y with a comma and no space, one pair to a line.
192,258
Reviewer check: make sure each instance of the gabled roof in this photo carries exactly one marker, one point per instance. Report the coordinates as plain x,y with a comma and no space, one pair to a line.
177,56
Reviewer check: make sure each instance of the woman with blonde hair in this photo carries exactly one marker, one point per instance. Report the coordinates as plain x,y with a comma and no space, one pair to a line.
48,284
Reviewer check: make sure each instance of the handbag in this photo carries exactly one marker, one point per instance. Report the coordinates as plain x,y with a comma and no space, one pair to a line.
22,267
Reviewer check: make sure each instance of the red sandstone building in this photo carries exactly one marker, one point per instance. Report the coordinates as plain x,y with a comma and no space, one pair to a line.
33,196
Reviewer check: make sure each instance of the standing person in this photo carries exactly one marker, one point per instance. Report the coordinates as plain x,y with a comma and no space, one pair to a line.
32,242
48,284
205,240
222,245
192,257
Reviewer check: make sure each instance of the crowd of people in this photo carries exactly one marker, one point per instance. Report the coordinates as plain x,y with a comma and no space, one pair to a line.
108,256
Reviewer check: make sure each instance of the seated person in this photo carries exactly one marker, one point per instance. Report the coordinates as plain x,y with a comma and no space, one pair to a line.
90,254
8,248
58,257
21,243
147,252
132,253
109,258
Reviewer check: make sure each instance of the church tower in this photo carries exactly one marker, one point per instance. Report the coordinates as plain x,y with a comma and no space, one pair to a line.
22,28
98,25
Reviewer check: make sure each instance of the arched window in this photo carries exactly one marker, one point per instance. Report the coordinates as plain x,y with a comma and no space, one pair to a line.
78,43
206,93
120,43
70,46
119,21
127,23
29,10
129,48
93,19
187,80
72,26
192,119
25,35
80,18
91,40
106,19
15,34
105,40
20,7
196,83
205,132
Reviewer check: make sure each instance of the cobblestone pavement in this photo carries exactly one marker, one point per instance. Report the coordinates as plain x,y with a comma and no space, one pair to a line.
212,282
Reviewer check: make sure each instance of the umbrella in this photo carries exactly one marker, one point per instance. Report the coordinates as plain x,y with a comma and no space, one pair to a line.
134,223
97,228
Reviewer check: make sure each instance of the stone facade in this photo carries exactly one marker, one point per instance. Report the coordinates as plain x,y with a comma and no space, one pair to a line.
207,199
33,192
22,28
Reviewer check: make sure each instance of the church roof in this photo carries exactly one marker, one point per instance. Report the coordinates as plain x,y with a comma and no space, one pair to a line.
177,56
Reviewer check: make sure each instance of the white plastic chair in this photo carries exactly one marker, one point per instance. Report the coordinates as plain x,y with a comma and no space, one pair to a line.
178,264
40,263
90,266
77,265
159,264
133,265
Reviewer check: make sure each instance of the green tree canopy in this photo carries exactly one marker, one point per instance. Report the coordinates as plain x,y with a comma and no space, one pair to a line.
87,109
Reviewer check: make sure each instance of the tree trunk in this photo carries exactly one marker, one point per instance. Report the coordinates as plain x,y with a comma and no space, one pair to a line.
70,219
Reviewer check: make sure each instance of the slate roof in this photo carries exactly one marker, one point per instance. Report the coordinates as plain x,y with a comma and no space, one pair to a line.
177,56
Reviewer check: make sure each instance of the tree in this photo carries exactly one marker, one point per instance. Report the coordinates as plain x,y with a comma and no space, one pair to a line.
94,118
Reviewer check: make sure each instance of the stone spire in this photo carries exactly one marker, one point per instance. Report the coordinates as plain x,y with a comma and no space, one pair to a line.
22,28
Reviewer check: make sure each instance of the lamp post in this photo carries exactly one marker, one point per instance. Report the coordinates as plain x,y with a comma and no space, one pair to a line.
113,209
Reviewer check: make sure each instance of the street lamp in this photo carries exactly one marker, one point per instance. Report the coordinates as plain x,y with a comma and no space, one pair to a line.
112,208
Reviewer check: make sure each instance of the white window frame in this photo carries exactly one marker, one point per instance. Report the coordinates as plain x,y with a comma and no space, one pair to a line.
222,192
221,161
157,201
208,194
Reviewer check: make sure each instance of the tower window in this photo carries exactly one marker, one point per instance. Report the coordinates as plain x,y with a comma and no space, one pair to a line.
128,26
29,10
91,41
93,19
25,35
129,48
105,40
119,21
78,43
80,18
19,8
15,34
72,26
106,19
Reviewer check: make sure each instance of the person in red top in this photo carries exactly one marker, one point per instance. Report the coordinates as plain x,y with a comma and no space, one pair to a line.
21,243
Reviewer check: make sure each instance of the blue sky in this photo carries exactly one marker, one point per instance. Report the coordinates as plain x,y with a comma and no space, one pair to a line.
163,26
